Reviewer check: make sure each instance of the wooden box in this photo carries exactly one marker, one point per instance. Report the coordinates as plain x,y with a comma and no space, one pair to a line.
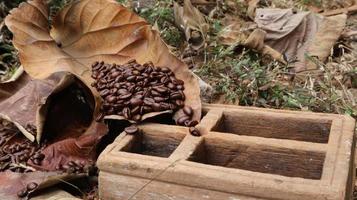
243,153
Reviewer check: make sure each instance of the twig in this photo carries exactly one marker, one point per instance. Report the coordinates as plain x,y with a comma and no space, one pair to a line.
348,10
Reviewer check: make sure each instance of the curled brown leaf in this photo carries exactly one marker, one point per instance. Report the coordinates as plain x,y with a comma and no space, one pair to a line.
88,31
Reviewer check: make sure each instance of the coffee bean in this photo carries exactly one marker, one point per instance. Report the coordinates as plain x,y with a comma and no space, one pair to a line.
136,101
171,86
149,101
39,156
125,96
156,107
131,130
22,193
181,120
180,87
37,161
71,163
188,111
165,69
161,89
126,113
31,186
159,99
137,117
194,131
179,103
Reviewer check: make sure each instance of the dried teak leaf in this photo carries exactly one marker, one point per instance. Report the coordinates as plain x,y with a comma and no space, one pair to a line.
26,107
88,31
192,22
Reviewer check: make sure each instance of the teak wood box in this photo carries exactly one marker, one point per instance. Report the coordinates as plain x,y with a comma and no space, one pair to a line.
244,153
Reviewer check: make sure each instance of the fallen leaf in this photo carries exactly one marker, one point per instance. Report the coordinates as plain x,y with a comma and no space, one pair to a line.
12,183
192,22
26,107
88,31
81,149
299,34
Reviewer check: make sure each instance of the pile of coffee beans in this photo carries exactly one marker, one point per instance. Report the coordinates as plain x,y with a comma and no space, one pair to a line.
29,188
16,150
132,90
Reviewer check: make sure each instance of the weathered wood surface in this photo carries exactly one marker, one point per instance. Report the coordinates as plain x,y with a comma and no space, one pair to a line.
244,153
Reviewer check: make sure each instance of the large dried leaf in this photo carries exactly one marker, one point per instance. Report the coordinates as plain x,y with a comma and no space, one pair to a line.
82,149
192,22
26,108
299,34
88,31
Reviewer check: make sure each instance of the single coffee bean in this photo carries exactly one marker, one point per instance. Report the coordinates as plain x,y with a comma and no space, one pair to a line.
127,113
181,120
111,99
22,193
194,131
180,87
155,93
188,111
31,186
37,161
156,107
149,101
180,103
171,86
71,163
159,99
104,93
39,156
136,101
131,130
164,106
125,96
165,69
135,110
175,95
137,117
161,89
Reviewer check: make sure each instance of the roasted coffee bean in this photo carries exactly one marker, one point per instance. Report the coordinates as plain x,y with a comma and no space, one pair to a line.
179,103
155,93
180,87
131,78
39,156
149,101
181,120
175,95
165,69
159,99
188,111
123,91
135,110
190,123
145,109
22,193
160,89
194,131
136,101
71,163
171,86
131,130
137,117
126,113
31,186
156,107
125,96
37,161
